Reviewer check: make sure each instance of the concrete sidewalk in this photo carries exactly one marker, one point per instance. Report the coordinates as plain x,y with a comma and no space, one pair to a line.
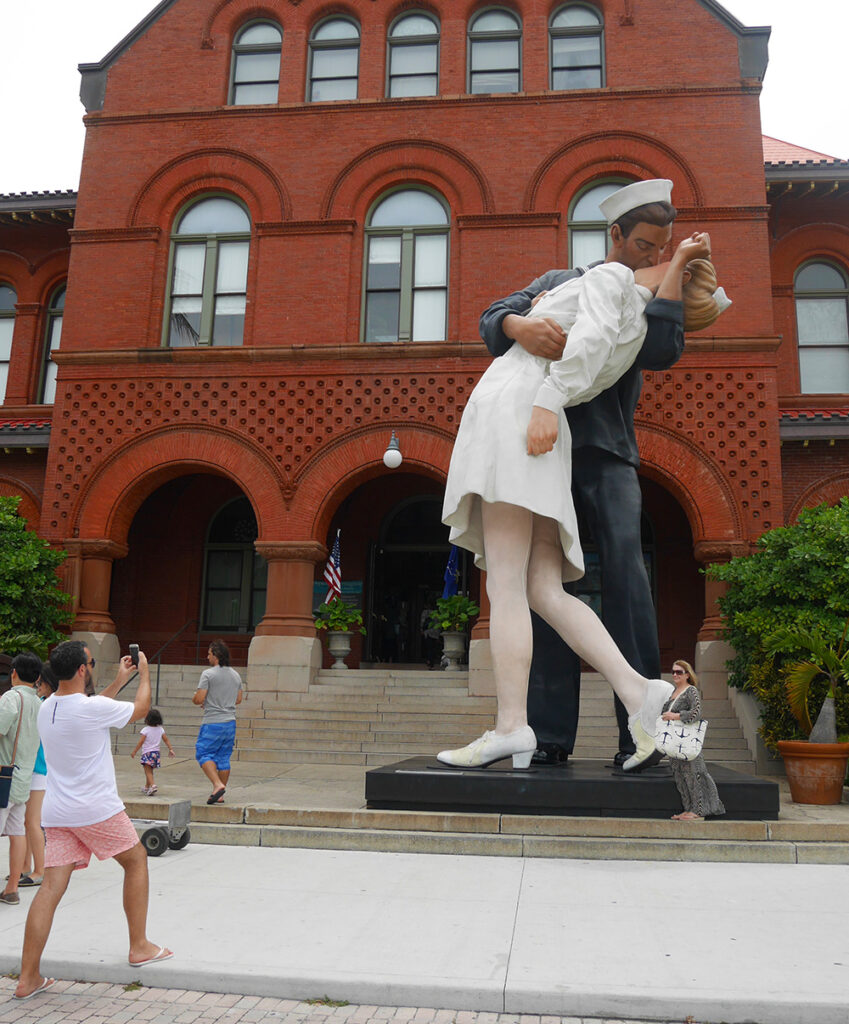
718,942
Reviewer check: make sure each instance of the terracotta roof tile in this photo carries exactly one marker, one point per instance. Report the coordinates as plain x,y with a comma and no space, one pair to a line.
778,152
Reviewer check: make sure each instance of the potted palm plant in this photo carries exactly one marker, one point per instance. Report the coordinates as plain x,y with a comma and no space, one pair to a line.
452,617
816,766
341,621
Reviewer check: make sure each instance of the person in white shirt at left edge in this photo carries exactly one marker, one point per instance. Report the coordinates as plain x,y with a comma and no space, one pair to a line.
83,813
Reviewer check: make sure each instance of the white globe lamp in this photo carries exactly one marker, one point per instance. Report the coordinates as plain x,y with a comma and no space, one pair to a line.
392,457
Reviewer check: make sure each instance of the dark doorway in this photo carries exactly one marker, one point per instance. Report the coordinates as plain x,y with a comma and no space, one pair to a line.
407,569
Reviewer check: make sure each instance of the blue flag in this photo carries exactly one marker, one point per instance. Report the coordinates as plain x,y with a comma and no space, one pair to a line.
452,573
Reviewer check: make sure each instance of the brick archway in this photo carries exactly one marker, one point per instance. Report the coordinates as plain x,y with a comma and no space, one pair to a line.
356,458
112,496
462,182
587,157
29,506
208,170
829,490
696,482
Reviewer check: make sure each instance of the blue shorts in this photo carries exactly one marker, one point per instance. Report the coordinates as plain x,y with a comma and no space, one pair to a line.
215,743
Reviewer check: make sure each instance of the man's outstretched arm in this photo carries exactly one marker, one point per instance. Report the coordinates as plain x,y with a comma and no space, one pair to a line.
141,705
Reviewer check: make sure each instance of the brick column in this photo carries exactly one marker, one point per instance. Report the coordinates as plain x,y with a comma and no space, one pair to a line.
90,576
706,552
26,352
712,652
285,653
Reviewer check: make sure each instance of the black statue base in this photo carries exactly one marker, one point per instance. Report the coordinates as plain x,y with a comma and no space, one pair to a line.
579,788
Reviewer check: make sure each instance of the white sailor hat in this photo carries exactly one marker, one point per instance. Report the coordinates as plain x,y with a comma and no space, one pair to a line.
655,190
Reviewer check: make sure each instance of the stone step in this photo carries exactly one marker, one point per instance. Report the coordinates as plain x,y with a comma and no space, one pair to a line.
308,720
455,680
300,743
273,755
377,716
385,691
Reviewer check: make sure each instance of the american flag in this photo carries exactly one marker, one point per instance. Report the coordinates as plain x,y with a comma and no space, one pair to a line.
333,572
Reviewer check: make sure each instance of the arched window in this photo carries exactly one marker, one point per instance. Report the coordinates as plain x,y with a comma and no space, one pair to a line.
577,51
8,298
413,56
495,48
406,274
52,337
209,273
334,60
235,576
588,226
255,73
822,324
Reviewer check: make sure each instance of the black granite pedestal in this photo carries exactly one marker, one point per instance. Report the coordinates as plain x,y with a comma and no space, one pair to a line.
579,788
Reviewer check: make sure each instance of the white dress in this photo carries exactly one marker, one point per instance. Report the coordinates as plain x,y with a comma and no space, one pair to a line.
603,313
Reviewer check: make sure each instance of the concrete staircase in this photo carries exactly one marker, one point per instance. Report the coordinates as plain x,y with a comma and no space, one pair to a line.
378,716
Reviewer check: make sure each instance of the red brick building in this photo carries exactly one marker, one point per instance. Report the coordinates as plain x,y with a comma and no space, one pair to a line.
291,214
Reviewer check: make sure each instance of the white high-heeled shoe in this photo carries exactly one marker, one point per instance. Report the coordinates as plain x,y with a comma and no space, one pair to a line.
641,726
492,747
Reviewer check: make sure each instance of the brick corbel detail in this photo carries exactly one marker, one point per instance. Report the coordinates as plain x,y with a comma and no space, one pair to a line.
288,602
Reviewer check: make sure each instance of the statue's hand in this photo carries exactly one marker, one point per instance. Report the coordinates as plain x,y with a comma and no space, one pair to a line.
541,336
697,246
542,431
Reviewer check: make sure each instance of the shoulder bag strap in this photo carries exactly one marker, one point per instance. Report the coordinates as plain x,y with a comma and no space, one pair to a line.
18,730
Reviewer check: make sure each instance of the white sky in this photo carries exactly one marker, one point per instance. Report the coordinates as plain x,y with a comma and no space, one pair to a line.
805,98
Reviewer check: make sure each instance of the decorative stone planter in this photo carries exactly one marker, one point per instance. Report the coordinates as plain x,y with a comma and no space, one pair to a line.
339,645
453,649
816,771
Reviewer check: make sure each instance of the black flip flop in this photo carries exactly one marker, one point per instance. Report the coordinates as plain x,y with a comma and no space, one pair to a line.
217,796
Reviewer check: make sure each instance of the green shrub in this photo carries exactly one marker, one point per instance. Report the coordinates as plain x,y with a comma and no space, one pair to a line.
339,617
798,578
453,613
795,583
32,605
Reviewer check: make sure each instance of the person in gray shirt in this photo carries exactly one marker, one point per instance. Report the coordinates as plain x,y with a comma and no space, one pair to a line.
218,692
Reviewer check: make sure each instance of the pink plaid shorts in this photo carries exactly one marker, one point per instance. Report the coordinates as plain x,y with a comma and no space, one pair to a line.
75,845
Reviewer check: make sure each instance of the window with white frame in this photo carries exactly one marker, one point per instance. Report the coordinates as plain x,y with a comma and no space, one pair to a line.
334,60
406,271
413,56
822,326
588,232
8,298
576,36
208,274
495,52
255,74
52,338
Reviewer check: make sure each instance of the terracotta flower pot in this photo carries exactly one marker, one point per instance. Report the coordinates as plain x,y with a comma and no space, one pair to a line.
815,771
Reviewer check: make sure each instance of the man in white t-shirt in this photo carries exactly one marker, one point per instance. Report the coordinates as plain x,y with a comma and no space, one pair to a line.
82,812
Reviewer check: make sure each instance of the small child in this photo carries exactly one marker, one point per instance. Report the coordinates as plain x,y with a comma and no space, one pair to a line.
151,738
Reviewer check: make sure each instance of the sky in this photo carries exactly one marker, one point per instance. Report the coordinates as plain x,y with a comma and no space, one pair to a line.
805,98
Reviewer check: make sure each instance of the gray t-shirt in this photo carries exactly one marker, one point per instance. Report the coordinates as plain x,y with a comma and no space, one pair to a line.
222,685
